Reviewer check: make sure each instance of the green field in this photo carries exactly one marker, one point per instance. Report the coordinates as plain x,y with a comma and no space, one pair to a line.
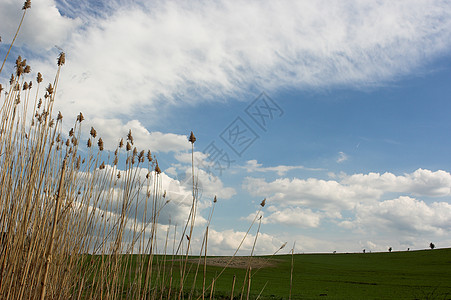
398,275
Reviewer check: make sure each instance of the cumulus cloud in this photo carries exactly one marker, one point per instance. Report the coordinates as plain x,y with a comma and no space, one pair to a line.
208,185
111,130
306,203
404,215
350,190
421,182
292,216
312,192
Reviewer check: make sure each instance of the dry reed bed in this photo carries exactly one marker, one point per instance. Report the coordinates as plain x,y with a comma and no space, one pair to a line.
69,215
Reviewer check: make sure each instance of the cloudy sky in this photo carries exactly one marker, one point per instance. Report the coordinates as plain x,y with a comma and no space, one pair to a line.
337,112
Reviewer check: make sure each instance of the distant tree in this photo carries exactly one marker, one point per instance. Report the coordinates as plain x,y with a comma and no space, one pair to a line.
363,250
432,246
389,249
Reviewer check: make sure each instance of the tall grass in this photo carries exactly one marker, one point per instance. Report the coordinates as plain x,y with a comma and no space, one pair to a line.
69,213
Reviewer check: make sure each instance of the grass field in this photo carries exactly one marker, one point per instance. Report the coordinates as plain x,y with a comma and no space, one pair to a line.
397,275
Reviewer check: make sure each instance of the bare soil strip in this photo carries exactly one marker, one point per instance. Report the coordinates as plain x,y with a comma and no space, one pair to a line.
238,262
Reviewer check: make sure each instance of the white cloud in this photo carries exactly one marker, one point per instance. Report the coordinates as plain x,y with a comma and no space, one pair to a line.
350,190
312,193
111,131
43,26
404,215
253,166
421,182
312,202
342,157
146,56
292,216
208,185
185,157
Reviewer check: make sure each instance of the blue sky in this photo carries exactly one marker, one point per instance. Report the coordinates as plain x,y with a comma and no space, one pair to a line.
357,154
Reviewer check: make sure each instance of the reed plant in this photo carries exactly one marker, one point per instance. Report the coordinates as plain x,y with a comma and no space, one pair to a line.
69,209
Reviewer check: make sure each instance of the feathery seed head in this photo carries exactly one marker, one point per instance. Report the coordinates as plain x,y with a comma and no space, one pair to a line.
89,144
141,154
25,86
26,5
263,203
215,199
61,59
49,89
100,143
130,137
119,175
128,147
192,138
12,79
93,132
30,84
71,132
102,166
121,143
60,115
67,142
39,78
80,117
19,61
149,156
157,169
115,161
27,69
19,67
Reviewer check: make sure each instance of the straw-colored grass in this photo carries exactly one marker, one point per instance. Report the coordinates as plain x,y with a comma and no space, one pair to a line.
69,209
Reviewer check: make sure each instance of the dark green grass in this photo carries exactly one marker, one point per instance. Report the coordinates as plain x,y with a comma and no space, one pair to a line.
398,275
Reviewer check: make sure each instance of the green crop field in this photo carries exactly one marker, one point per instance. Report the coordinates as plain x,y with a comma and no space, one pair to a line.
397,275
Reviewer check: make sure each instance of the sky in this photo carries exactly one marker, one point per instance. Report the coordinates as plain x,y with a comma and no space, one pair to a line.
336,112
